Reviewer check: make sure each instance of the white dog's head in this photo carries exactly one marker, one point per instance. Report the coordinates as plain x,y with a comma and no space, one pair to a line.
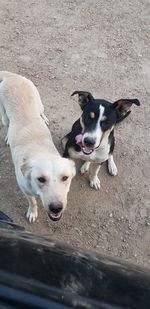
50,179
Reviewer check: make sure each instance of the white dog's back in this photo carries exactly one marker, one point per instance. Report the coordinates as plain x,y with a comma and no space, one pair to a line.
40,170
19,94
21,110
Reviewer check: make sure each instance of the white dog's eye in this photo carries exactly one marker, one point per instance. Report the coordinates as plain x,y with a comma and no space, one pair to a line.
42,179
64,178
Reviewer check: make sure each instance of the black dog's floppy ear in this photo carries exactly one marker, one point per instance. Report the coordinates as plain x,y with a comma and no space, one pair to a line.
122,107
84,98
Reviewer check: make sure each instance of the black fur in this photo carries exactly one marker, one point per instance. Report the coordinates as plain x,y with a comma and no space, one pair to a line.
113,112
111,141
76,129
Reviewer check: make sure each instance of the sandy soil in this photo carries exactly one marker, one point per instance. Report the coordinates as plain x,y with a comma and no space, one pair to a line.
102,47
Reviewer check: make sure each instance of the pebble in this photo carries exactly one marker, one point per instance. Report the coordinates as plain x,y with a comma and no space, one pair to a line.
79,231
147,223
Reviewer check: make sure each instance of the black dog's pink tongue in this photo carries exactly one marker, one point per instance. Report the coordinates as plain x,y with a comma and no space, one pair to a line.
78,139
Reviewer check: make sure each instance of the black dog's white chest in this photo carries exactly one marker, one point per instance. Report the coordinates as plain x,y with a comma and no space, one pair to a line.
99,155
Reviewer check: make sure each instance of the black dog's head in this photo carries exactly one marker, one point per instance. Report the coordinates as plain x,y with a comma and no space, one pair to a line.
99,118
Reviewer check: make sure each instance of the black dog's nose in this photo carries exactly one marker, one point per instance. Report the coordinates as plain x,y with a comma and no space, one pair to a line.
55,207
89,142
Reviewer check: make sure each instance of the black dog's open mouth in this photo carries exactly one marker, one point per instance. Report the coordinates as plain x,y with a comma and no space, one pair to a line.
55,217
85,150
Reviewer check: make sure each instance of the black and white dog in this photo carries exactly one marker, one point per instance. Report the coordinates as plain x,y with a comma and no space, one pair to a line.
92,136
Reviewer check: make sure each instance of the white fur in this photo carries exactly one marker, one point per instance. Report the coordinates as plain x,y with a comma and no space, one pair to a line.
85,167
95,183
112,168
94,180
93,172
97,133
99,155
33,152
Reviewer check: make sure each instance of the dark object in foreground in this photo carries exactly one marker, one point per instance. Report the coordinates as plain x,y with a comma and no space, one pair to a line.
36,272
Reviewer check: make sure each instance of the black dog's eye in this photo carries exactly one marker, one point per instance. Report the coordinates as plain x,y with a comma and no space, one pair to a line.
64,178
89,117
42,179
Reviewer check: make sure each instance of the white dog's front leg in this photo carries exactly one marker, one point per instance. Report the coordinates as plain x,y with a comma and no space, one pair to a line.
94,180
32,212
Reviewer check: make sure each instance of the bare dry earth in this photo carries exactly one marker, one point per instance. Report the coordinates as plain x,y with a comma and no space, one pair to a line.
102,47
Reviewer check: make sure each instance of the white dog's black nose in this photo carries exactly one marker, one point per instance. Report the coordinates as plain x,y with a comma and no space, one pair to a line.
89,142
55,207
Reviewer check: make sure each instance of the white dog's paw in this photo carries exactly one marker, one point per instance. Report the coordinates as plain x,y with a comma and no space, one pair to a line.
45,119
112,168
95,183
84,168
32,214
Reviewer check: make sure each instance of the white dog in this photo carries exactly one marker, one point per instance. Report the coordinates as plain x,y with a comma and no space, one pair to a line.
40,170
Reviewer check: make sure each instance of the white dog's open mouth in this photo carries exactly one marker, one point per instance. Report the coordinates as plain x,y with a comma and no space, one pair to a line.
86,150
55,217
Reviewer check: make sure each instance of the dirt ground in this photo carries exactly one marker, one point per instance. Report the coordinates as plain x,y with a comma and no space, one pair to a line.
102,47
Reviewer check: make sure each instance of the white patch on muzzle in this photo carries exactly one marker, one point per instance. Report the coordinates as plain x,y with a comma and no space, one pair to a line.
97,133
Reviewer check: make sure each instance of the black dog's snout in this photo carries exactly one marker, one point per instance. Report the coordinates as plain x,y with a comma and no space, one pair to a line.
89,142
55,207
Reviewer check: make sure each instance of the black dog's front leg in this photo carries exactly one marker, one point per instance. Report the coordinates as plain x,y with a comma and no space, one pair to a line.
111,164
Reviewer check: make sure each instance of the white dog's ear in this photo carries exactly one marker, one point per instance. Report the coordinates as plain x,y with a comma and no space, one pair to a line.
26,169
